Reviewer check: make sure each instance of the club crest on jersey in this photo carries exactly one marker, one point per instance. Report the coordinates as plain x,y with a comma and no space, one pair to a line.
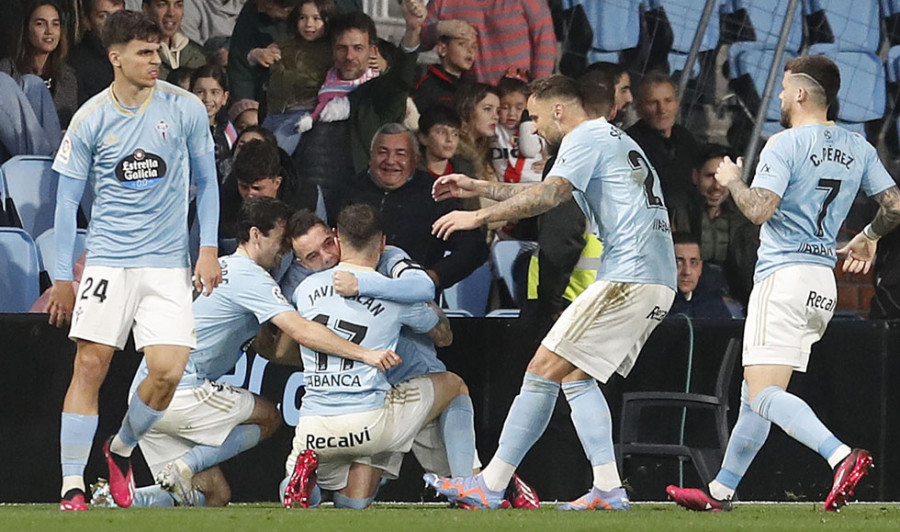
162,127
141,170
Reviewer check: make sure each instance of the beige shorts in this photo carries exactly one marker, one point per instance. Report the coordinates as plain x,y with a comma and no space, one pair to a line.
204,415
429,450
788,312
346,439
156,302
603,330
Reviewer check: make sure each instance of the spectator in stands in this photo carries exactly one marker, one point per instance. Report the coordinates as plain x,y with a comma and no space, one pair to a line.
439,83
181,77
727,238
244,113
353,117
438,133
216,49
478,105
175,50
517,153
204,21
42,51
701,291
210,84
511,34
252,49
294,81
229,198
403,195
602,72
21,130
252,133
92,68
671,148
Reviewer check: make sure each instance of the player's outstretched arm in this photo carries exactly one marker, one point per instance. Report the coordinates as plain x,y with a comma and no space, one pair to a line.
320,338
860,251
207,273
463,186
415,285
531,201
62,295
757,204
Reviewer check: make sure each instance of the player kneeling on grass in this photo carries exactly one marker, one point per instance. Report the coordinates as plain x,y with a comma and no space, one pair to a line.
208,423
352,420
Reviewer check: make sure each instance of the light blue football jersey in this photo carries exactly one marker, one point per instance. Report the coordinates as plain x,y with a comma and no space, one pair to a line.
817,171
227,318
620,194
138,163
336,385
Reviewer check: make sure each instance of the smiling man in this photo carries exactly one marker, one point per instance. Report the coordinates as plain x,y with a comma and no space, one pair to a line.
176,50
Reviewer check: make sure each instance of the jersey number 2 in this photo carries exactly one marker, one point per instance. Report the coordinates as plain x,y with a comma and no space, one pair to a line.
833,186
638,162
354,332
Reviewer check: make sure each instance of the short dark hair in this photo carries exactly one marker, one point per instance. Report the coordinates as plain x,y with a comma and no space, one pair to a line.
263,132
555,86
88,5
612,71
124,26
302,221
820,68
175,77
712,151
683,237
598,92
355,20
257,160
438,115
508,85
358,225
327,10
210,71
656,77
263,213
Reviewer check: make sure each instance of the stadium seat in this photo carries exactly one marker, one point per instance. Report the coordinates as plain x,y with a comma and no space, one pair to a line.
677,61
470,294
706,461
863,94
19,270
30,189
767,17
504,255
684,17
851,26
46,247
616,26
509,313
749,71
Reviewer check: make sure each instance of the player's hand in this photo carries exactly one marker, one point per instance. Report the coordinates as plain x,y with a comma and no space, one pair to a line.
729,171
207,272
455,186
860,252
456,29
62,301
455,221
383,359
345,283
265,57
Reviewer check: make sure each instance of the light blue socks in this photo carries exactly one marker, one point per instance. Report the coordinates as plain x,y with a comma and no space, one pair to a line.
241,438
747,438
458,428
527,419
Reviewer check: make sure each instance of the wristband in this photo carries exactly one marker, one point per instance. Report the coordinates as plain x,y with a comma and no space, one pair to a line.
870,233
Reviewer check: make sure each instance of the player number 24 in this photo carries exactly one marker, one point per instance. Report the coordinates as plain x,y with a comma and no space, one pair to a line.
99,290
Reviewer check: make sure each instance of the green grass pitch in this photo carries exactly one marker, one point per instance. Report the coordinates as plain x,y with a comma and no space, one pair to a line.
794,517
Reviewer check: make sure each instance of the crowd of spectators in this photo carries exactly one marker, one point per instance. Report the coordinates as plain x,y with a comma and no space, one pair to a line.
329,113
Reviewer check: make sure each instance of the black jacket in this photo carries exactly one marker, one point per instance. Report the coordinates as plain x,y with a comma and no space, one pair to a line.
407,214
92,67
673,158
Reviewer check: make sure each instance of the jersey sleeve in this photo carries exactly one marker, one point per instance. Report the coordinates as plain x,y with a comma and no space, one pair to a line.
74,157
578,157
386,283
199,138
419,317
774,170
876,177
256,291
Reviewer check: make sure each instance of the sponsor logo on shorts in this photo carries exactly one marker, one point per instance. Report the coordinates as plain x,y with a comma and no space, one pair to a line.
657,314
818,301
351,439
141,170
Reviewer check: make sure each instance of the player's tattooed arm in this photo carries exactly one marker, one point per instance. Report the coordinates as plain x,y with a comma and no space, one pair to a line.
757,204
503,191
528,202
888,216
441,334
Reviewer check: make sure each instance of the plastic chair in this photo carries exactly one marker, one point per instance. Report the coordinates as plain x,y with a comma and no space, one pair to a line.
46,247
616,26
705,461
684,16
863,94
30,192
767,17
510,313
470,294
503,255
851,26
19,270
749,70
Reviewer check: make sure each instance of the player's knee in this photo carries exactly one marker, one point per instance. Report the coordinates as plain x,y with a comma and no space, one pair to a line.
218,494
270,419
166,379
90,368
460,385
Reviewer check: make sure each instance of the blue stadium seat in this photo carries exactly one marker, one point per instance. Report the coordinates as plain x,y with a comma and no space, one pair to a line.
503,255
46,247
470,294
684,17
503,313
863,94
31,185
893,64
616,26
755,63
678,60
767,16
855,25
19,270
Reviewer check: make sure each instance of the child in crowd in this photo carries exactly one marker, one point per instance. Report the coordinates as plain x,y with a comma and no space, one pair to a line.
438,85
517,153
244,113
210,84
294,81
439,136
